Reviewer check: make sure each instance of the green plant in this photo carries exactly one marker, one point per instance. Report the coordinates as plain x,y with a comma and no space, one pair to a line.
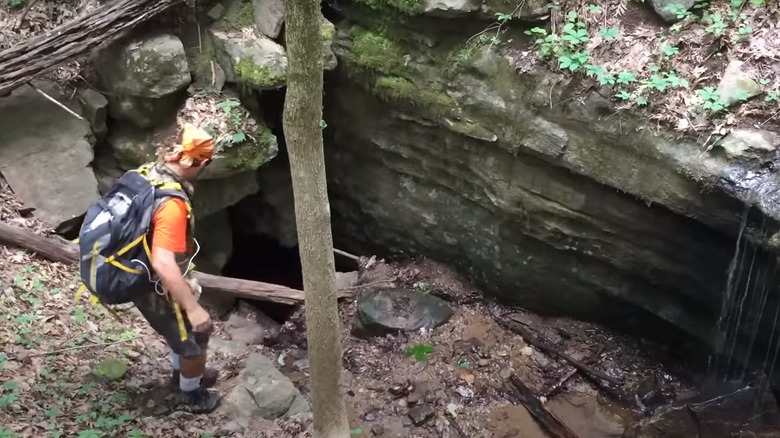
712,100
420,352
15,3
5,433
568,47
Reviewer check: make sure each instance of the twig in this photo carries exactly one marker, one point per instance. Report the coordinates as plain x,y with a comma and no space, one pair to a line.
533,340
549,422
81,347
550,392
55,101
346,254
23,14
451,420
373,283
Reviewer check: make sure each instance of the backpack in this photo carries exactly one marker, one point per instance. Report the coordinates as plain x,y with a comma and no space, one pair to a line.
114,254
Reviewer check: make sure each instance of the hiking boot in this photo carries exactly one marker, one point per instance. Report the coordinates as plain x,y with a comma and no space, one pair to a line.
208,380
201,400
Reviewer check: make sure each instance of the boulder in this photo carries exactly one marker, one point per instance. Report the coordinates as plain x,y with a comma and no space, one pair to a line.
749,142
736,85
327,33
213,195
263,391
144,112
94,106
670,10
723,416
269,17
254,60
388,310
45,153
149,66
131,145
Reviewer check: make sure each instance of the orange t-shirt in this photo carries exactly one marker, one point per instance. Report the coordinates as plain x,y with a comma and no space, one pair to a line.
169,226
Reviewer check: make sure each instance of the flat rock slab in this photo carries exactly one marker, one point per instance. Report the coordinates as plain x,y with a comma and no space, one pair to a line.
45,154
263,391
387,310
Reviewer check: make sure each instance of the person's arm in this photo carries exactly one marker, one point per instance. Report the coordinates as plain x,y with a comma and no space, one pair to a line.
170,228
164,264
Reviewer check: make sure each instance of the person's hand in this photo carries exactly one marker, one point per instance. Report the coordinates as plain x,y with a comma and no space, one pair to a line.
199,319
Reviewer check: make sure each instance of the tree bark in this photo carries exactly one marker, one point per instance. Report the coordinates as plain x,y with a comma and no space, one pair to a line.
301,121
59,250
24,62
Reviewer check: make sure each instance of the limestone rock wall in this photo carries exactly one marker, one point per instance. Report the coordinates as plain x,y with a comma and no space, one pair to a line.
565,208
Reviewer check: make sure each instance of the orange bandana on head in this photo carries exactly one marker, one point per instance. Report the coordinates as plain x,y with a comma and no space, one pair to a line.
196,145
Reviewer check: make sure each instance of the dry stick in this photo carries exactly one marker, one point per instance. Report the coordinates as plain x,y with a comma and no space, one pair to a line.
346,254
571,374
549,422
55,101
533,340
81,347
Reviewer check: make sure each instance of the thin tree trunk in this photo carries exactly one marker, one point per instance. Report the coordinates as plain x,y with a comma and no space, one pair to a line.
301,121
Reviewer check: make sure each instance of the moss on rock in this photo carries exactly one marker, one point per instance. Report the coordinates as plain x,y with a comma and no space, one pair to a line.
239,15
375,51
258,148
258,75
409,7
404,91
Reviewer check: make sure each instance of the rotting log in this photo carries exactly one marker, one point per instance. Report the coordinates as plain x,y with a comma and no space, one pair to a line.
549,422
32,58
59,250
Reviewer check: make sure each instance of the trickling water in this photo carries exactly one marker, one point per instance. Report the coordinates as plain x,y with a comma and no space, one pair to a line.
728,298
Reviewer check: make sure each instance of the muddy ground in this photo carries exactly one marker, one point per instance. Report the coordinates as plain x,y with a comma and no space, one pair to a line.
467,371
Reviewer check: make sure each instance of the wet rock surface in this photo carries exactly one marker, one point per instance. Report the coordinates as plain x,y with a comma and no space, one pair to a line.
386,310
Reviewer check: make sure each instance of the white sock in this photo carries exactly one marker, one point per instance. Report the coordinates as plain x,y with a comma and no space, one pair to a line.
187,384
175,360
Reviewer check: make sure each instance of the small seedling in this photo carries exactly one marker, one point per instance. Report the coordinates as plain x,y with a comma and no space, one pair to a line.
420,352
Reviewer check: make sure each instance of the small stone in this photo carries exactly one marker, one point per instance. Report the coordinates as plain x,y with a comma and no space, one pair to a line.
483,363
369,417
736,85
668,9
741,142
377,429
527,351
420,414
407,421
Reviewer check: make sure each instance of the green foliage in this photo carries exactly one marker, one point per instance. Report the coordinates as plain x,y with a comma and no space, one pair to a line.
459,57
15,4
712,99
568,47
408,7
401,90
420,352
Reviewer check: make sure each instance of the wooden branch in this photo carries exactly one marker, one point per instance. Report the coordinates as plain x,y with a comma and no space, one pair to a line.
59,250
533,340
549,422
23,15
29,59
557,386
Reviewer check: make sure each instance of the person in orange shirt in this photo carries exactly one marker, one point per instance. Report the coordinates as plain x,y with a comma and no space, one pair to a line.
171,242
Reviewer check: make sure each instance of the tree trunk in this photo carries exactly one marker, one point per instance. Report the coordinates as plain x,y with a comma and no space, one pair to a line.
301,121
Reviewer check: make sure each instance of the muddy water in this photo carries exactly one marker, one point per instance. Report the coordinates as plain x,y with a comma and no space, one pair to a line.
581,412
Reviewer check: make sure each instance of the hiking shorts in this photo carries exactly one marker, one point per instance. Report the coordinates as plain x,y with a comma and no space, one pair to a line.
160,314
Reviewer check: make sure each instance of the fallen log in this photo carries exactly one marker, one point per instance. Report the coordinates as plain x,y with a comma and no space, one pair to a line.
59,250
529,338
551,424
27,60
